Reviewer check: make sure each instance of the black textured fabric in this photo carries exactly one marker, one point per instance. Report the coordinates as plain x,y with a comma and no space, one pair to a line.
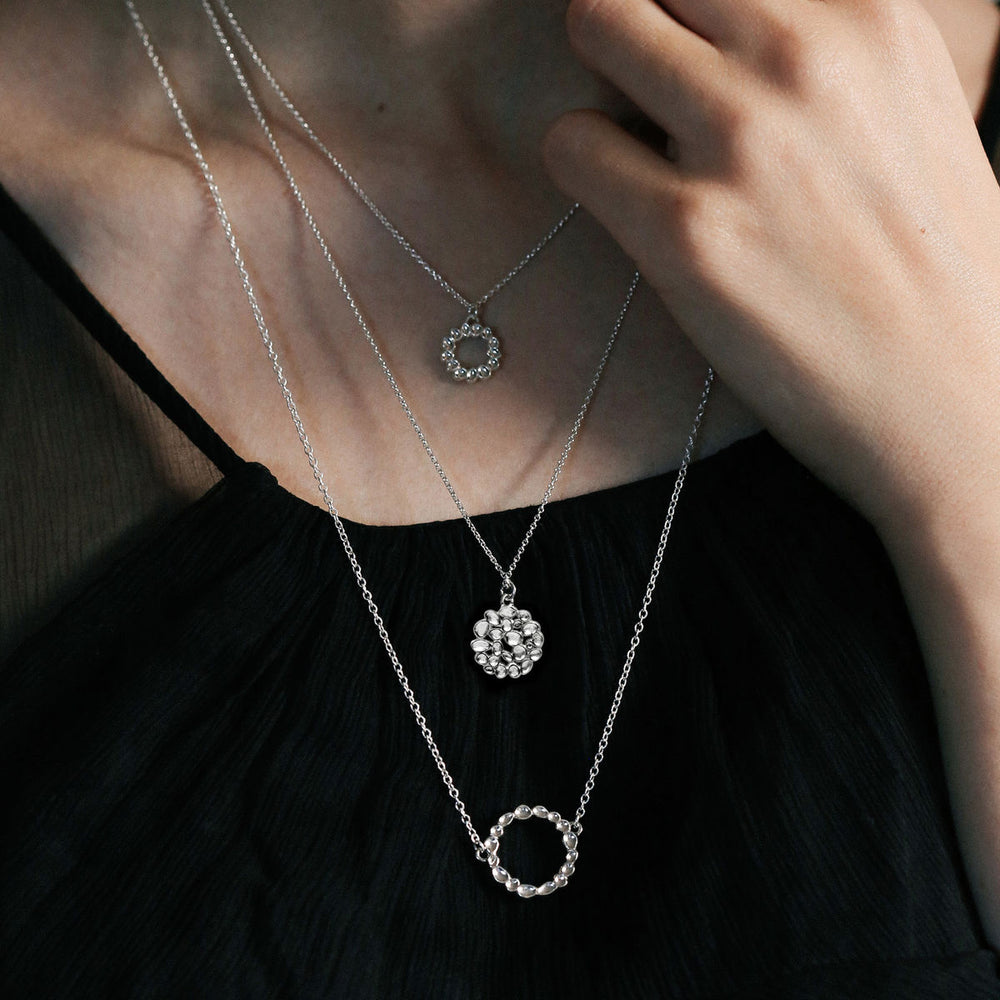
213,787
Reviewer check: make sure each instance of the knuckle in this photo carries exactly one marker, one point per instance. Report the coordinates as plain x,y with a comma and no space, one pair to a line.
907,36
794,56
740,127
588,20
896,22
691,213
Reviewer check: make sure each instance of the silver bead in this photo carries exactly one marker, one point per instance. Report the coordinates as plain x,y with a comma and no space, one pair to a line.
567,870
569,841
491,844
506,819
499,874
541,812
481,628
481,645
561,880
513,884
562,825
524,812
571,856
546,889
554,817
526,891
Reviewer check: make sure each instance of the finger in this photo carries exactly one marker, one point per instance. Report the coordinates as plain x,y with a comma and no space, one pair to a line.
741,25
669,71
627,187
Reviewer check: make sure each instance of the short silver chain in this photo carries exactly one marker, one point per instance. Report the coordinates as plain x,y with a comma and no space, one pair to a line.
506,575
473,308
481,852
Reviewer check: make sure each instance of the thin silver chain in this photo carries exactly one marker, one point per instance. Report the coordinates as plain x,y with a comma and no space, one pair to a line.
482,853
473,308
506,575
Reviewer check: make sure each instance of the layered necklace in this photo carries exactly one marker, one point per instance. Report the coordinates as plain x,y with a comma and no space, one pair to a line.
506,641
486,848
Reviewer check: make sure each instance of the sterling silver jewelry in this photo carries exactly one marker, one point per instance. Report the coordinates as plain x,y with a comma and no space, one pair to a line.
507,642
473,326
487,849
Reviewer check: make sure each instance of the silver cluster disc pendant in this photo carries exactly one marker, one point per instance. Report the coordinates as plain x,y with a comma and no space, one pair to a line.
471,329
570,833
507,642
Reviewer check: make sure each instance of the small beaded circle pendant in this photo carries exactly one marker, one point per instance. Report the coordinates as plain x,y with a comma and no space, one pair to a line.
474,330
570,833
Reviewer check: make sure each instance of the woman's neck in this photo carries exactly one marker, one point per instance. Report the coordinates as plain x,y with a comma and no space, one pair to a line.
497,70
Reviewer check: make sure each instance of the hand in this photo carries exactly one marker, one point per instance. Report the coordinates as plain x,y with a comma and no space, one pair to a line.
825,229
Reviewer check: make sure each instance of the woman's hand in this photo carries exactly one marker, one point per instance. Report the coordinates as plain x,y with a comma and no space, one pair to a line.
826,228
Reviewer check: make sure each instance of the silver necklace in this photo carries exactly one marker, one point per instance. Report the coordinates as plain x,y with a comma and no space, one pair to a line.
487,849
473,327
507,641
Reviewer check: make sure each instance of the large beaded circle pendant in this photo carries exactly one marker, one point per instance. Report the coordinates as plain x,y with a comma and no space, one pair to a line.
470,329
491,851
507,642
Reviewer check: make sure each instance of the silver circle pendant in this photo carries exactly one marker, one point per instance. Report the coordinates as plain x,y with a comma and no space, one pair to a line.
567,830
474,330
507,642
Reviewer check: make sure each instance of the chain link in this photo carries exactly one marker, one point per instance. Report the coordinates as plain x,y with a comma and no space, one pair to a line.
647,599
481,851
472,308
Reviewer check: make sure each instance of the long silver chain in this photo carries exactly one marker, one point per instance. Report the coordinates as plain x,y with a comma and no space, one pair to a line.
505,574
474,308
485,848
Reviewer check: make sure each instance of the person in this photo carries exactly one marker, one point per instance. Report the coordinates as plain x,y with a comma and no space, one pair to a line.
214,784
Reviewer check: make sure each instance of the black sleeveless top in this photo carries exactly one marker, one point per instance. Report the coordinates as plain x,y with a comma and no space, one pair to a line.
212,785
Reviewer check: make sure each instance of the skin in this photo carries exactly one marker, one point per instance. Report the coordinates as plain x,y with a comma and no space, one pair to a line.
123,200
807,235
